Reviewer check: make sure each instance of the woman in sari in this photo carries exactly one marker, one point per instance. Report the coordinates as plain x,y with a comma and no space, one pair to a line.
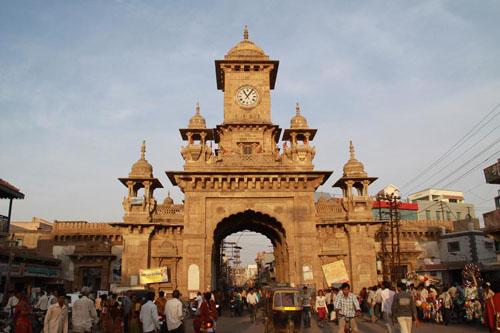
22,315
116,313
492,313
134,323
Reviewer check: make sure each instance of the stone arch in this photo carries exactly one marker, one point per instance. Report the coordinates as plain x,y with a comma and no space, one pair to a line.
261,223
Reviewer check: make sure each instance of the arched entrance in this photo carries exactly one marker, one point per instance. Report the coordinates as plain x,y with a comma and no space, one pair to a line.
257,222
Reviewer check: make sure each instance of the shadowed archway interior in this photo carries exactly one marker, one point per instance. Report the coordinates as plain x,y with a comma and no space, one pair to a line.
257,222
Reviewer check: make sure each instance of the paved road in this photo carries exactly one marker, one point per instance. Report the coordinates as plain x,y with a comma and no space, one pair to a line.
243,325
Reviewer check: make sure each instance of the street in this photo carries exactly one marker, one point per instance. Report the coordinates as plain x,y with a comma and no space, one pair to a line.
227,324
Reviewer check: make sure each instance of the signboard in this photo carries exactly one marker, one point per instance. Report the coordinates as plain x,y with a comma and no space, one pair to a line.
335,272
154,275
15,270
40,271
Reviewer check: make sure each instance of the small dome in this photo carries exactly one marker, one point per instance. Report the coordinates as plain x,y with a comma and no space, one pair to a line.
353,167
141,168
298,121
246,49
197,121
168,200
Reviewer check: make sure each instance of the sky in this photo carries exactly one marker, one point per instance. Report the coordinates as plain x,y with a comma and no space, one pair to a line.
82,83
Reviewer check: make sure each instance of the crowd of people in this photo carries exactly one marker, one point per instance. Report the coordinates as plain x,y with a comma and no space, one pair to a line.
458,303
127,313
405,304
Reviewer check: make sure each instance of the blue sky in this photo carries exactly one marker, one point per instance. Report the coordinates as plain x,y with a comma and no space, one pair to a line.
83,82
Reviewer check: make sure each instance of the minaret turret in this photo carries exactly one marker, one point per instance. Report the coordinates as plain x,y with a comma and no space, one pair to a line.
139,207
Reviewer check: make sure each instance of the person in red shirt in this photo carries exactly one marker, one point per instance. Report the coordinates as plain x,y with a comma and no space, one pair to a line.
492,307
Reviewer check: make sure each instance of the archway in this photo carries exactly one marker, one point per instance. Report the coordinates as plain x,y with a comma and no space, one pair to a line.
257,222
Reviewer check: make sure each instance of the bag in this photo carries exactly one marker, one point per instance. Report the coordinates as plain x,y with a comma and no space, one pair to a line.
333,315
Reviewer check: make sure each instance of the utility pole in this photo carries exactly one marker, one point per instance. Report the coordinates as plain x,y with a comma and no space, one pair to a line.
383,240
393,203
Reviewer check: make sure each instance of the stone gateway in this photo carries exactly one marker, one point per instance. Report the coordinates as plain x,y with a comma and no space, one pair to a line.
244,174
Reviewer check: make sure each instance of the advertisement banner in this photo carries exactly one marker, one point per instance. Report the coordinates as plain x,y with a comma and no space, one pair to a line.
335,272
154,275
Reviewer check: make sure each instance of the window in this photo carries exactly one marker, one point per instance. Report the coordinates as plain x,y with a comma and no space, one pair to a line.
428,215
438,215
19,242
488,245
453,246
448,216
247,150
459,216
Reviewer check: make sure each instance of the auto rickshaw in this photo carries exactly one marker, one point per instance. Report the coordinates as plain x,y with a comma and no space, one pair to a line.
283,310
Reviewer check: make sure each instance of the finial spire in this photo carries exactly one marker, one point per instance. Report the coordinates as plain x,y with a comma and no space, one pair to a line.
297,108
351,150
245,33
143,150
197,108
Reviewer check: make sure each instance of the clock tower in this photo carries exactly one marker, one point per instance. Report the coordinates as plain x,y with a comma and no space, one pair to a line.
247,135
246,76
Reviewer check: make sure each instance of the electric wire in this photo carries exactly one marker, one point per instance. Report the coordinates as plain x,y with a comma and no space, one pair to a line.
456,158
465,163
463,139
473,168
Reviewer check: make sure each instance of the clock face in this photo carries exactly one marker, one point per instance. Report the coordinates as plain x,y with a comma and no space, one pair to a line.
247,96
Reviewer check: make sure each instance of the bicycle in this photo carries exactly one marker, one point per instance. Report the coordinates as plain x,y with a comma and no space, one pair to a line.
348,327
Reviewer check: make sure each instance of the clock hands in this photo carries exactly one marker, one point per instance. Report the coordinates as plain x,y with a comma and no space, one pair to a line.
249,93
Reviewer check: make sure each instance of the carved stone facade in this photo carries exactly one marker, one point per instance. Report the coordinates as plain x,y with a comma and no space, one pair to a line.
235,177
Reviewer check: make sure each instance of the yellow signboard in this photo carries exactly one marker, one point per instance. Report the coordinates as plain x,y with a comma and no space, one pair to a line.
154,275
335,272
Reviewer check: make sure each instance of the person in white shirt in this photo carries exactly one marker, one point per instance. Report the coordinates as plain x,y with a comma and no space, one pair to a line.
377,309
199,299
173,313
56,319
321,307
252,304
83,314
11,303
149,315
43,302
387,298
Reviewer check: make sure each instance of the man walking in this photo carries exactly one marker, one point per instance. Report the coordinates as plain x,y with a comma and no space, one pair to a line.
127,308
306,306
149,315
403,309
252,305
387,297
43,302
83,314
347,307
173,313
56,319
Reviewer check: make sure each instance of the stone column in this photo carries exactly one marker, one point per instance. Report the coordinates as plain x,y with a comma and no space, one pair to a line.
136,252
362,255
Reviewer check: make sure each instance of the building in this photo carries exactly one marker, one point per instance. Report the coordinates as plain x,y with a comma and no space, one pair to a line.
443,205
446,258
236,177
492,218
408,211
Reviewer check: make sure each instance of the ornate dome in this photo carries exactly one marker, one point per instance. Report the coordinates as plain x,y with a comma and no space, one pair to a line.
298,121
141,168
197,121
353,167
168,200
246,49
